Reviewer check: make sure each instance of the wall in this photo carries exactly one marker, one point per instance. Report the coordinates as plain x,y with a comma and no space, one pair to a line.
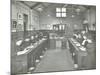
90,15
35,19
18,7
48,17
33,22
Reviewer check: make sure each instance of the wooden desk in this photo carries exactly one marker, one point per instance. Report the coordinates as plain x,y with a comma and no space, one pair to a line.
84,59
20,64
78,55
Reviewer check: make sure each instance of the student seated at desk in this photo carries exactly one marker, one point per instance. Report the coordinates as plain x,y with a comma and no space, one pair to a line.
75,36
86,41
32,40
90,61
78,37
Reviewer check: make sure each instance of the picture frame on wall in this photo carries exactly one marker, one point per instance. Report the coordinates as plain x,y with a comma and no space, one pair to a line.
20,16
14,25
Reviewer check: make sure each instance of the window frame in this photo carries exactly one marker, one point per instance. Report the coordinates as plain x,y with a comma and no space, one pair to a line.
61,12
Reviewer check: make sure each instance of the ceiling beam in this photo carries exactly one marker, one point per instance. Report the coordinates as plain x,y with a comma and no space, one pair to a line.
25,3
35,5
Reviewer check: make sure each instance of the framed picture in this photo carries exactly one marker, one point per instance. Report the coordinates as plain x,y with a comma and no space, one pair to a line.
14,25
20,16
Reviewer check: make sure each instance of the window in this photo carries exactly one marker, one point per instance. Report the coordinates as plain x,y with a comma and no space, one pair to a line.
61,12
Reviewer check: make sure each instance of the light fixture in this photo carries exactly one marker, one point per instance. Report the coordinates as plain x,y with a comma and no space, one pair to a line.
73,16
40,9
48,15
85,21
78,11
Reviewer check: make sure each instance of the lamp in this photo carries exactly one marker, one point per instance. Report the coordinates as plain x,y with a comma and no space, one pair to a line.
40,9
73,16
78,10
85,22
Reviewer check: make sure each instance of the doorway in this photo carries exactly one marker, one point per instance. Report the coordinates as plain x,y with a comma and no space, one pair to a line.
25,22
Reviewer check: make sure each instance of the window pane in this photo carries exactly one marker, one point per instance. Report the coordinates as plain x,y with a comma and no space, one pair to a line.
63,14
60,27
63,9
58,14
58,9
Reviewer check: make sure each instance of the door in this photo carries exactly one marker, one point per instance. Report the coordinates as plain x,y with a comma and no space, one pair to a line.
25,20
58,44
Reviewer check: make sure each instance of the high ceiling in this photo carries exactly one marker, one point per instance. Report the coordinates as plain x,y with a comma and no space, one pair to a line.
35,5
40,6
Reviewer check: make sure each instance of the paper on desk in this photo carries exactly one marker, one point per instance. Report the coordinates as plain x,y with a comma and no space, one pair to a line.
82,48
18,43
27,39
21,52
78,44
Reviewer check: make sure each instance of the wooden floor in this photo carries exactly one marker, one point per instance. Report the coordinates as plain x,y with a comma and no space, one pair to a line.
55,60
